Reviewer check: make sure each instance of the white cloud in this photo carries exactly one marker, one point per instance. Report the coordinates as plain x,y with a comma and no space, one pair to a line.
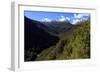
85,18
63,18
76,20
80,15
68,18
46,19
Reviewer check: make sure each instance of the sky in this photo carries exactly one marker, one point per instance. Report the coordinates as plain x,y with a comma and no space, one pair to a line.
73,18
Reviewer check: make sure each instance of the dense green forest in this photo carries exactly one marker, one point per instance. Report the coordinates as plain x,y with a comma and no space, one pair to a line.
74,43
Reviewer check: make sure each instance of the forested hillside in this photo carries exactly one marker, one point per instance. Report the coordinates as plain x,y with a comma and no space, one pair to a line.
73,45
47,43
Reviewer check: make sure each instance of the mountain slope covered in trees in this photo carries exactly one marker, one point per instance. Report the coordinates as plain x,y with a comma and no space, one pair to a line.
56,41
74,46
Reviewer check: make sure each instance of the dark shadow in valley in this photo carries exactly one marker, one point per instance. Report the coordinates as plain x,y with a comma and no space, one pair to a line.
36,39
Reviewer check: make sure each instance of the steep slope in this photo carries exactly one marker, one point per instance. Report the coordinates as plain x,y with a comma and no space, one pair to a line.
76,46
36,39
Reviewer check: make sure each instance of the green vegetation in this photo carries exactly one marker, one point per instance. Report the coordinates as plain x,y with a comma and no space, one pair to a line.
73,44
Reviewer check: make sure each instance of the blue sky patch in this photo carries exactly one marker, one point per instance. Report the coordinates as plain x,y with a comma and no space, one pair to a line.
57,16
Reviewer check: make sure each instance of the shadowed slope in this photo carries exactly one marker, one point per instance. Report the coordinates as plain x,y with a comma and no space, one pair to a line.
36,38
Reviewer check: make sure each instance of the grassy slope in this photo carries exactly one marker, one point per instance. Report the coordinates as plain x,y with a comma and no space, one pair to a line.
73,44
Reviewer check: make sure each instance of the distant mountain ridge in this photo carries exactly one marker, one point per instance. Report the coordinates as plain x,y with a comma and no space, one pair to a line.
57,27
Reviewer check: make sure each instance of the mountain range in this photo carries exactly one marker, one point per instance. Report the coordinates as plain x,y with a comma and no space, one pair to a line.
51,40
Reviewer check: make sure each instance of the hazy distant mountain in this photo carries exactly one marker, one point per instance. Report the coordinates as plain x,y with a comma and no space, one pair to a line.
57,27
